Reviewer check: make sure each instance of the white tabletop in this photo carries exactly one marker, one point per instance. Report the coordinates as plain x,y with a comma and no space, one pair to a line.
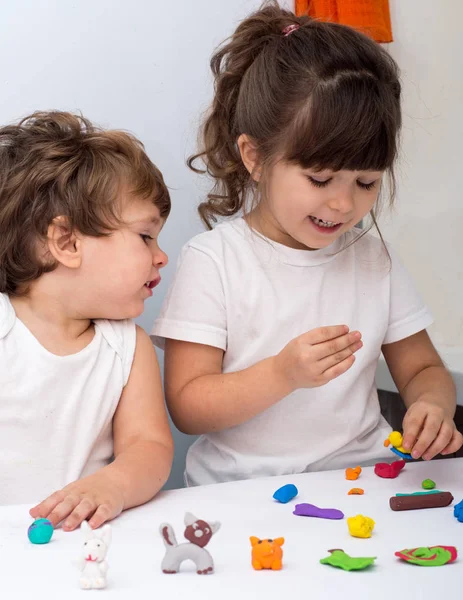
245,509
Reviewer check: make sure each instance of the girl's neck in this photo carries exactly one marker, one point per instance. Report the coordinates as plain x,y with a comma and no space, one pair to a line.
50,320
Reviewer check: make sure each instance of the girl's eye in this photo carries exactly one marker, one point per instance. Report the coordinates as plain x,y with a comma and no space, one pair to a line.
145,237
317,183
366,186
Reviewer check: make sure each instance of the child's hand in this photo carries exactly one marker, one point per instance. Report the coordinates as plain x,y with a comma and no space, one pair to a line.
314,358
429,430
96,496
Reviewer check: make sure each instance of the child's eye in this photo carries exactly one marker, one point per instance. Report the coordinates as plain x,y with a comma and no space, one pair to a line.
317,182
366,186
145,237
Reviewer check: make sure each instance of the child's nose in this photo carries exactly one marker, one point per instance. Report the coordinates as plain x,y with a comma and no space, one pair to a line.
343,201
160,259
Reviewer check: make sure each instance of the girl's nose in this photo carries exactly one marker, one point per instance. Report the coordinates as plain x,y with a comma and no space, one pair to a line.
342,201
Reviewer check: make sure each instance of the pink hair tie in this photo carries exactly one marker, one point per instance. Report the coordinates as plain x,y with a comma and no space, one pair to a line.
290,28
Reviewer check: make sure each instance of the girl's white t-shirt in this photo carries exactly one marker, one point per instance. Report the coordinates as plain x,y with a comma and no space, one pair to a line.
250,296
56,412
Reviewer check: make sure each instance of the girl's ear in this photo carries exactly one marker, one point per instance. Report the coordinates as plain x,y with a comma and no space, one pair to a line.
63,243
250,155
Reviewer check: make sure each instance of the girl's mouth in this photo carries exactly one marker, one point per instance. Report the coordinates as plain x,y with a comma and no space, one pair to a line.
324,226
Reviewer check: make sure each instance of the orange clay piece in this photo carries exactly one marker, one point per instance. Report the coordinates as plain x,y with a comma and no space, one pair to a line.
353,474
355,492
267,554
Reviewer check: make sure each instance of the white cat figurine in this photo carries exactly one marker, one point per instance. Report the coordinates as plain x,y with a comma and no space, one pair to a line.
93,563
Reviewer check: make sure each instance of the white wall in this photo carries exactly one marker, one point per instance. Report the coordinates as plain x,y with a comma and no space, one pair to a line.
143,66
427,224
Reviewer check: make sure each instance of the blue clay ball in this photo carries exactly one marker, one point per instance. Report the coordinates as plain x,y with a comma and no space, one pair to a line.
40,531
286,493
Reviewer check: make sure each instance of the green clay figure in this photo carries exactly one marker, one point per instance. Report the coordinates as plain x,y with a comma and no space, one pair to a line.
432,556
428,484
338,558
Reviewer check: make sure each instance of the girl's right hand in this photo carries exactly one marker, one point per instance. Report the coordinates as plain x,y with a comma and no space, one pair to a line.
318,356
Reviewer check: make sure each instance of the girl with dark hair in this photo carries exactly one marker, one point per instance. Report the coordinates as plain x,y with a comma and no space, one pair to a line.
277,317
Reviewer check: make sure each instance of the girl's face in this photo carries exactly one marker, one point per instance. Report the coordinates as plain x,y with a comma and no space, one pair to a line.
120,271
309,209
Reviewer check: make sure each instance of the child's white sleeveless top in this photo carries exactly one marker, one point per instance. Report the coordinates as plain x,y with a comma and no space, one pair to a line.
56,411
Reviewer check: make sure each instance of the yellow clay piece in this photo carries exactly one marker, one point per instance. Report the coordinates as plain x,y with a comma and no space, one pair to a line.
360,526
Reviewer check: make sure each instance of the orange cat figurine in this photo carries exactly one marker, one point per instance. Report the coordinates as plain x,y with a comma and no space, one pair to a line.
267,554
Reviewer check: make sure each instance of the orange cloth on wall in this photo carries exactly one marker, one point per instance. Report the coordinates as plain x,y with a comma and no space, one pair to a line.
370,16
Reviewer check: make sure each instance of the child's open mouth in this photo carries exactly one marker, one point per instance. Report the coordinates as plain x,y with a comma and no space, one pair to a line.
152,284
324,226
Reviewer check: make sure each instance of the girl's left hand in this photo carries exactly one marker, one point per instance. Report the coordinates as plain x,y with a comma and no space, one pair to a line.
429,430
96,497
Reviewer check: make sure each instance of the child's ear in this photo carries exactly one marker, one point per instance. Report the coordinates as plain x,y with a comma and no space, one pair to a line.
250,156
63,243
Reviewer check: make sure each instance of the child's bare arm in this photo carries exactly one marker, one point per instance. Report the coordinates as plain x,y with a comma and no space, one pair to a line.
428,392
202,399
143,450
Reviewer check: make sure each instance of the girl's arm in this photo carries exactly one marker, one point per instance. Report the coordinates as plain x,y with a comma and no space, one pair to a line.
428,392
203,399
143,450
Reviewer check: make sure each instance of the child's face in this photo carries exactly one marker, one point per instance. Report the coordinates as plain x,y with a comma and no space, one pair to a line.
120,271
304,208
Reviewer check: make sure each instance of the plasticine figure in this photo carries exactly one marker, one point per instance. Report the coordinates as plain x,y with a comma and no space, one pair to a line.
267,554
198,533
93,561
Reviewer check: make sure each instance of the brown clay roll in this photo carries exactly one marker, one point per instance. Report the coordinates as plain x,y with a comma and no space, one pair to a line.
420,501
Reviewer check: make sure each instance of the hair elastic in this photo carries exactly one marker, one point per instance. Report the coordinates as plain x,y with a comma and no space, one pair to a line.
290,28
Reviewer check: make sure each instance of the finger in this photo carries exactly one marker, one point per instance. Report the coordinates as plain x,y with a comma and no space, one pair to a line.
63,509
321,351
103,513
322,334
42,510
412,425
338,369
427,436
442,440
339,357
85,508
455,443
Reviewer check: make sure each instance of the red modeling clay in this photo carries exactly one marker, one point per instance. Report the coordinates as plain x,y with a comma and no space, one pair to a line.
389,471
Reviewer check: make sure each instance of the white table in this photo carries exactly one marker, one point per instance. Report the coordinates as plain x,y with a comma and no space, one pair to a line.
245,509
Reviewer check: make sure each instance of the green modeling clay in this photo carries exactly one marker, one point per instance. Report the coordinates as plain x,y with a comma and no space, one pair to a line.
434,556
428,484
340,559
